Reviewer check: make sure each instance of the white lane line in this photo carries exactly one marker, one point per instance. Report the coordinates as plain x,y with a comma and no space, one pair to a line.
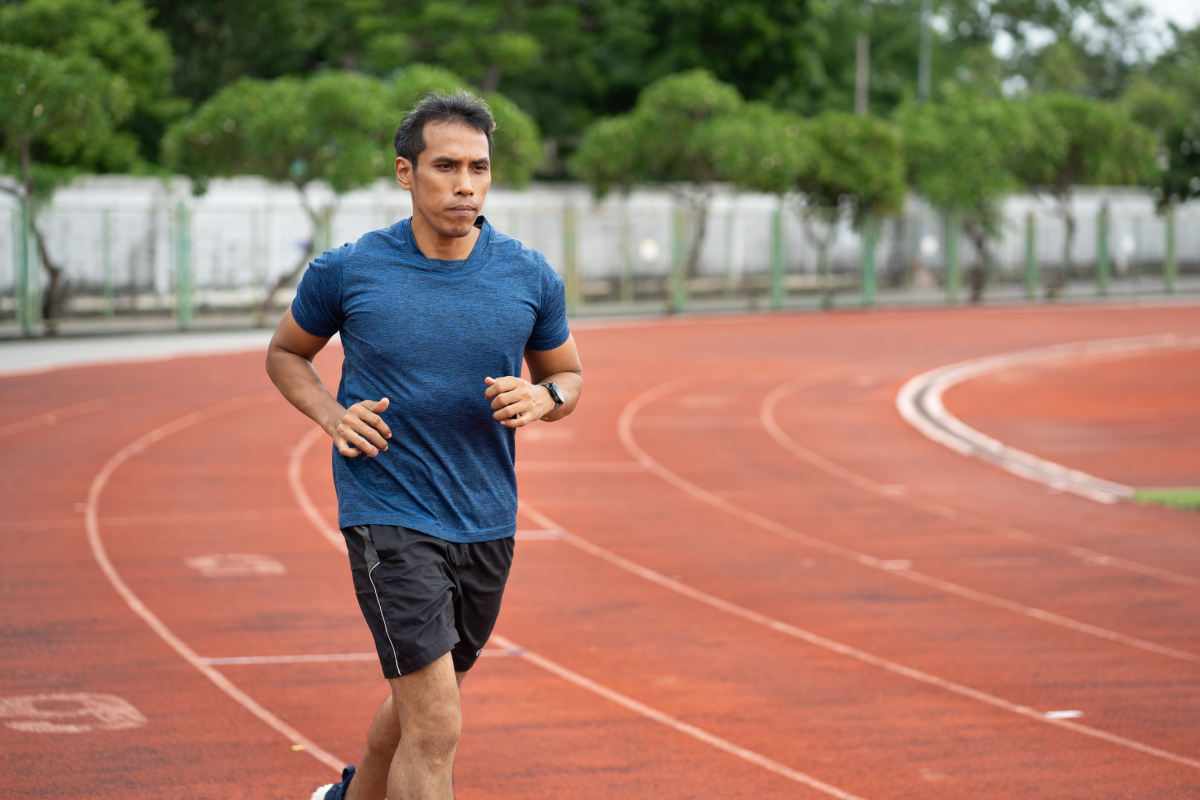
578,466
148,616
326,658
312,658
682,727
786,629
51,418
891,566
920,404
891,492
510,648
296,481
847,650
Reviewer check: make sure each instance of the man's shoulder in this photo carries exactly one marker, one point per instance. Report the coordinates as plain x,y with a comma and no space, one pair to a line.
513,251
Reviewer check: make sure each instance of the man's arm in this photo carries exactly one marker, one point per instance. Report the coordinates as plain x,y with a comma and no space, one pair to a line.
518,402
355,430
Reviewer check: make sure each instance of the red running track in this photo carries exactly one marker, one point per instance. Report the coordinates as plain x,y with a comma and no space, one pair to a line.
765,583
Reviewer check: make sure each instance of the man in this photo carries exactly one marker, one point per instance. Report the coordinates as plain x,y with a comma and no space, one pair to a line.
435,314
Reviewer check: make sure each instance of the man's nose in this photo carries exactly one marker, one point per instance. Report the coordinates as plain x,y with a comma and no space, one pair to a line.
464,187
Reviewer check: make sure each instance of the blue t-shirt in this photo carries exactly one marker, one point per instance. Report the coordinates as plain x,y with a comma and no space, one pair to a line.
424,333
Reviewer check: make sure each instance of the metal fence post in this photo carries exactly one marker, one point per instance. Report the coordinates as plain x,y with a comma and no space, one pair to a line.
183,267
626,278
256,271
953,267
29,267
678,281
1102,267
1031,266
869,277
106,234
1169,265
777,256
570,259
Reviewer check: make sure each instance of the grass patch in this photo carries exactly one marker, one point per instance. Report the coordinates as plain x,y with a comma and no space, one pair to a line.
1177,498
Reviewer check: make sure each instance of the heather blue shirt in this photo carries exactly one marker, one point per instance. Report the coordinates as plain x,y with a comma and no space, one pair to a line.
424,333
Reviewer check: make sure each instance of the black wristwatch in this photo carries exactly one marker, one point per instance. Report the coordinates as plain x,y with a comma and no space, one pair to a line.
555,395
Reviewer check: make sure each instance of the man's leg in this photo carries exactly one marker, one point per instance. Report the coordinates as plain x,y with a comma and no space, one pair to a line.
427,705
370,781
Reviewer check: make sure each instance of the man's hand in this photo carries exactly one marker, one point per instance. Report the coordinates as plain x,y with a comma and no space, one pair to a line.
516,401
361,430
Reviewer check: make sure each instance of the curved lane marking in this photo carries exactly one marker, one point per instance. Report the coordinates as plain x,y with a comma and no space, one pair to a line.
891,492
329,533
920,403
319,522
847,650
149,617
898,567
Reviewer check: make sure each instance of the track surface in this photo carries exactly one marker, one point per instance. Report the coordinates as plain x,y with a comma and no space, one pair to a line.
758,550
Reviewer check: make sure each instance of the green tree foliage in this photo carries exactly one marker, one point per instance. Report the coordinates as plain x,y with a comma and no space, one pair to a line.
332,128
1077,141
855,166
665,139
959,156
1167,101
216,42
759,148
335,128
58,114
116,34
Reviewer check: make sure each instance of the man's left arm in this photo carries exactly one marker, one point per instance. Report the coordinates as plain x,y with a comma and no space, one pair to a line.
518,402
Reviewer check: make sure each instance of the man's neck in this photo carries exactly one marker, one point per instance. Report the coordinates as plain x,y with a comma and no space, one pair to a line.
435,245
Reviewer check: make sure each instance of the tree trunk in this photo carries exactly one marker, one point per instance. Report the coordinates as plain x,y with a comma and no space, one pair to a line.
320,221
55,294
824,290
699,230
979,274
1066,269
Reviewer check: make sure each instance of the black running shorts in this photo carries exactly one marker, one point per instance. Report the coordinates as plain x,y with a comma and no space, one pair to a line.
424,597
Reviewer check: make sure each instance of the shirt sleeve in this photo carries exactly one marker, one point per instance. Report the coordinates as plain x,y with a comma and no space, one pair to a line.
550,329
317,307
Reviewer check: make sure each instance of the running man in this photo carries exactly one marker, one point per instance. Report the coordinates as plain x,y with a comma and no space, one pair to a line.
435,314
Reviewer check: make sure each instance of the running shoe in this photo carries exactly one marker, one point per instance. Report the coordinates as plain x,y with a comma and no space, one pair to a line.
335,791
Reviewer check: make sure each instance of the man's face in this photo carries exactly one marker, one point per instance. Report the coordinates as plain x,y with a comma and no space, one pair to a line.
452,177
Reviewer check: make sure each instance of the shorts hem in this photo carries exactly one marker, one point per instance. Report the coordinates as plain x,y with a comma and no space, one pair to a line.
422,659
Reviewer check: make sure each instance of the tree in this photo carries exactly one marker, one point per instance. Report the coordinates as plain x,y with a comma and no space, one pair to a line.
1167,101
665,139
118,35
332,128
958,154
1076,141
855,166
59,115
335,128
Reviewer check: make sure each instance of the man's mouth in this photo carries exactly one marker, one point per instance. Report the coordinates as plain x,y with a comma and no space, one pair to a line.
462,209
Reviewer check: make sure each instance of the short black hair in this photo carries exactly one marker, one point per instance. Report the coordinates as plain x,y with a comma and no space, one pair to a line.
461,107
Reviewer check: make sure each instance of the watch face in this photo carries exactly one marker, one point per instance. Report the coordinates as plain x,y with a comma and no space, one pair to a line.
554,395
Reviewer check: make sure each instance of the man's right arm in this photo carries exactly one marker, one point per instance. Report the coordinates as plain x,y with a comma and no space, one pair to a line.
355,430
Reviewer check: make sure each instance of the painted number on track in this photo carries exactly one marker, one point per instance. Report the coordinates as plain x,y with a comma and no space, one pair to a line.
75,712
235,565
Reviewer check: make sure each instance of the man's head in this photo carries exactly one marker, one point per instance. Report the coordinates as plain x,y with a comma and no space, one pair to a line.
443,157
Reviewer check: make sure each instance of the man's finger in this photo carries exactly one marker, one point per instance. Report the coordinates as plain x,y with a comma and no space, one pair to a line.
367,432
376,422
359,442
379,406
345,448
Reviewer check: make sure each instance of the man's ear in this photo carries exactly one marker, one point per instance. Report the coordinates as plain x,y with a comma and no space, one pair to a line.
405,174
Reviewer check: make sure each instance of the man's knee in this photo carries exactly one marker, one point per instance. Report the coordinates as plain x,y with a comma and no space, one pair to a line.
433,734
